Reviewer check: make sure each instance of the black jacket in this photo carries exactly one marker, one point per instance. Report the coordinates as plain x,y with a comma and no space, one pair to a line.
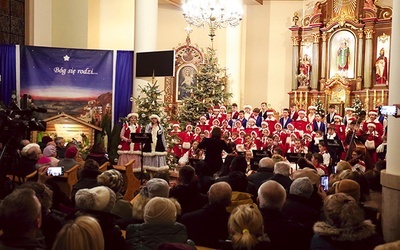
261,176
208,225
213,158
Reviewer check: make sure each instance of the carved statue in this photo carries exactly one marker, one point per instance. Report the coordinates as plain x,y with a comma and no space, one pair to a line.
295,18
381,65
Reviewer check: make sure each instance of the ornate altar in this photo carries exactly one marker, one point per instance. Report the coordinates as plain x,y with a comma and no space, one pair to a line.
188,57
341,52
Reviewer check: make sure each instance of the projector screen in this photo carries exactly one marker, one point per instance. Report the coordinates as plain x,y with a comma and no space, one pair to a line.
162,63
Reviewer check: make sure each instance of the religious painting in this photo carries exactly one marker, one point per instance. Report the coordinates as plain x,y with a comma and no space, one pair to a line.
382,60
186,81
342,57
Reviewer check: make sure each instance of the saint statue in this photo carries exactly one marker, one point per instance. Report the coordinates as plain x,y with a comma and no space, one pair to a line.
295,18
305,69
381,65
343,57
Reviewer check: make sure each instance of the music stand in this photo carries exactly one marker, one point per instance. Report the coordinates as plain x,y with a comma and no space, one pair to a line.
141,138
294,157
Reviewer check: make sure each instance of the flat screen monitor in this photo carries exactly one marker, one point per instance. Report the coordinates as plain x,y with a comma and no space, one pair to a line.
162,63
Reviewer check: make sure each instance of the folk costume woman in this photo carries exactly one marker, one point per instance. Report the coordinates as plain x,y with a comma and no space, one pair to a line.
127,150
154,154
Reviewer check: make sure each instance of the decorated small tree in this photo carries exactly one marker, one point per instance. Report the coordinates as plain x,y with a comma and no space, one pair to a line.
319,107
210,90
357,105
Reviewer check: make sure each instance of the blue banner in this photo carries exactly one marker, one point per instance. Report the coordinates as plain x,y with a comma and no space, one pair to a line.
77,82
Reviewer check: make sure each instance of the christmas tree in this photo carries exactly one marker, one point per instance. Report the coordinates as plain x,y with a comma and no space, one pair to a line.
210,90
149,102
319,107
357,105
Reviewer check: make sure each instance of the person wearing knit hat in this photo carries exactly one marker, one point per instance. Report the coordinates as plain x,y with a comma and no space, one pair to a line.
160,210
156,187
68,162
114,180
51,152
98,199
159,226
44,161
111,178
348,187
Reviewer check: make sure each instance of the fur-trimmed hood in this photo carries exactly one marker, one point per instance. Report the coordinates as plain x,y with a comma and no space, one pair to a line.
365,230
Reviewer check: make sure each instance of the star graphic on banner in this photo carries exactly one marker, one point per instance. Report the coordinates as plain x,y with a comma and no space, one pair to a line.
66,58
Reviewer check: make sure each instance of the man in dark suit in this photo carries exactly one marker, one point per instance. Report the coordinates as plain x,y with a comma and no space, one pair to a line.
281,174
285,119
208,225
331,114
263,112
318,124
264,172
271,197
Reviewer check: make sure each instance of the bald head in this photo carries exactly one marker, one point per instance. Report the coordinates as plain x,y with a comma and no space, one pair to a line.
220,192
271,195
266,162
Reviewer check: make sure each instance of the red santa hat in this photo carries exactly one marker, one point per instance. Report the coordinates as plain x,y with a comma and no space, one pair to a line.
202,118
373,112
352,119
216,108
242,132
277,125
270,112
264,123
176,124
290,125
371,124
294,134
222,107
312,107
307,135
349,109
189,125
301,111
337,117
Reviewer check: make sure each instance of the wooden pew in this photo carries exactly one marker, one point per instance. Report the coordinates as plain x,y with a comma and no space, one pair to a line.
69,179
131,183
104,166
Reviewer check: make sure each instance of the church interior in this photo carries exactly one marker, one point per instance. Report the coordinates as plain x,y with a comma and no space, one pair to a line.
324,54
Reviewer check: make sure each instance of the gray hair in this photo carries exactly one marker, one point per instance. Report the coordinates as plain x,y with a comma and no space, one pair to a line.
266,162
302,187
282,168
271,195
220,193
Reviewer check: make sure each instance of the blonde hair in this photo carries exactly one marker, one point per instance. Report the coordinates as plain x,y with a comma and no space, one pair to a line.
276,158
246,226
342,166
81,234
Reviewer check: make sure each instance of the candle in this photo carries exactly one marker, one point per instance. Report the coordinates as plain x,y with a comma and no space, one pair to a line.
374,97
366,93
306,98
295,96
383,96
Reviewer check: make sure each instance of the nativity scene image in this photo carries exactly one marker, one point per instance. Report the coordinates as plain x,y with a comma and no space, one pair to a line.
340,52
